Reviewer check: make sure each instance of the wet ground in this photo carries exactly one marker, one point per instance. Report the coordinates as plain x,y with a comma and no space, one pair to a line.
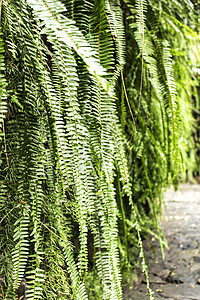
178,276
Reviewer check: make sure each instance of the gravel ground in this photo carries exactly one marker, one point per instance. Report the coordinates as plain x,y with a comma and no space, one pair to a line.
178,276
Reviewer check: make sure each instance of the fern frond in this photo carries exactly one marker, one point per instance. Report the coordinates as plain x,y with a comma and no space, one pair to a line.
21,250
57,26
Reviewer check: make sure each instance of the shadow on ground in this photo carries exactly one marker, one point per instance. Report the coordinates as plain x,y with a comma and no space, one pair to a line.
178,276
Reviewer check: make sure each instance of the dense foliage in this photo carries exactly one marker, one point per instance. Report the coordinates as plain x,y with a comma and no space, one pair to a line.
96,118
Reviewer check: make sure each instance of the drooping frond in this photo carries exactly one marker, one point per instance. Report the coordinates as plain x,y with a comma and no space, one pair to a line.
90,133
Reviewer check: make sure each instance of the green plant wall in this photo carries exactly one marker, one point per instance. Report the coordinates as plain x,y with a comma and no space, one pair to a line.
91,127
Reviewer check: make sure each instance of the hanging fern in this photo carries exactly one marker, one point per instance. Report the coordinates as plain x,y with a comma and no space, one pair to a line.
90,133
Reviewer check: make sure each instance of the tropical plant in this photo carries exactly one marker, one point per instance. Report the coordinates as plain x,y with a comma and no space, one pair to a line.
87,141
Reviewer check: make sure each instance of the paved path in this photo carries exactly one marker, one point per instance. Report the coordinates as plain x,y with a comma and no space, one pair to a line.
178,276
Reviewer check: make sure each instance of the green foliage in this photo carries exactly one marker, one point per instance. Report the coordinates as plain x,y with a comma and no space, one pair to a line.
91,119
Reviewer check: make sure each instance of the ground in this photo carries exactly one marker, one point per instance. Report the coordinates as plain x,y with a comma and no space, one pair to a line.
178,276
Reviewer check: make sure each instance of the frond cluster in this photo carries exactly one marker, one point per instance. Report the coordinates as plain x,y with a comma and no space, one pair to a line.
83,160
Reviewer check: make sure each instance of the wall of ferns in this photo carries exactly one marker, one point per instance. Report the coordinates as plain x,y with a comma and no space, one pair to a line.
92,124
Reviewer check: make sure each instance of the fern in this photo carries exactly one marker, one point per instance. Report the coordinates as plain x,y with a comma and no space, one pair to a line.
90,127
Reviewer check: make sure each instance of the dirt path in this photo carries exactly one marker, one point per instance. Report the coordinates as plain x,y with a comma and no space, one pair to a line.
178,276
